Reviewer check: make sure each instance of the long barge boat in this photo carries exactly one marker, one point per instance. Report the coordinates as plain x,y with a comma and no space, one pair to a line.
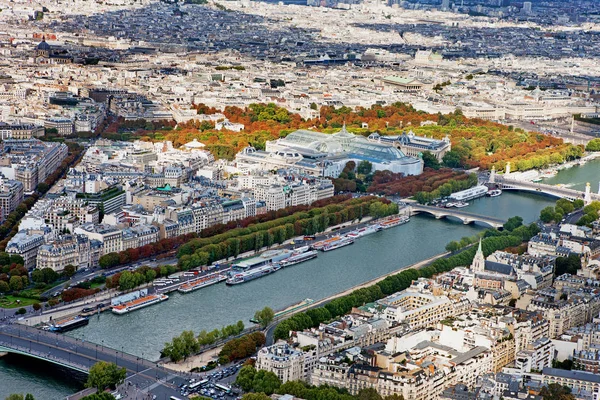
138,303
201,282
69,324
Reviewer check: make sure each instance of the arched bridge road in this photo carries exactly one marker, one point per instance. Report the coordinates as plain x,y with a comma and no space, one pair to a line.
464,216
81,355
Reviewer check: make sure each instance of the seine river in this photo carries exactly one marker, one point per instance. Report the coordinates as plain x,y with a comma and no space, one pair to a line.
145,331
576,177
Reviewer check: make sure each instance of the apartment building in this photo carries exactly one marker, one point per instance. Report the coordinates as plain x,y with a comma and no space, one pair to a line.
66,250
107,200
21,131
33,160
529,327
139,235
206,214
26,245
536,357
420,310
283,360
110,237
11,195
587,360
562,315
278,195
577,381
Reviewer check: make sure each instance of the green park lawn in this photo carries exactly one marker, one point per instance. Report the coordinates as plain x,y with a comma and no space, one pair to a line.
11,302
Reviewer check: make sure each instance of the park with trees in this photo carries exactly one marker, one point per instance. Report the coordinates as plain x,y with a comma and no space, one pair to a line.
475,142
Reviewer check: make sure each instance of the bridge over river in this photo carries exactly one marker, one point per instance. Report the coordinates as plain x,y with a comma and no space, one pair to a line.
464,216
542,188
147,376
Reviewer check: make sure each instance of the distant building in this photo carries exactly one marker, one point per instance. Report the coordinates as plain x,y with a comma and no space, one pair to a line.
577,381
413,145
427,57
403,84
320,154
20,131
277,196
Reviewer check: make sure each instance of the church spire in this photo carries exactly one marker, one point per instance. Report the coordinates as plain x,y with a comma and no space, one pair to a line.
478,264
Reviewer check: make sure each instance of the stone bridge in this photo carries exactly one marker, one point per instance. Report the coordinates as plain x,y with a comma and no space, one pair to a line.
549,190
79,355
463,216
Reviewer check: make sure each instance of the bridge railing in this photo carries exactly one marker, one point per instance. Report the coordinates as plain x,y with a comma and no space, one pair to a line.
43,355
101,348
450,211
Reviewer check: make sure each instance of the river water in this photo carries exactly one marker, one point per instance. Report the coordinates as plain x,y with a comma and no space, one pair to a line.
577,176
145,331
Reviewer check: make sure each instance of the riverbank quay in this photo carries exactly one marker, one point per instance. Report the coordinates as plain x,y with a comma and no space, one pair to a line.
103,298
418,265
548,172
212,353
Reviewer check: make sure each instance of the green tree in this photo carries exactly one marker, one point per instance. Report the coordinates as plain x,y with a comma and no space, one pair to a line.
453,246
245,378
264,316
364,167
16,259
578,203
555,391
42,187
49,275
567,265
104,375
182,346
266,382
368,394
37,276
69,270
394,397
593,145
430,161
566,364
15,396
451,159
255,396
513,223
565,205
4,287
37,306
126,281
16,283
547,214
